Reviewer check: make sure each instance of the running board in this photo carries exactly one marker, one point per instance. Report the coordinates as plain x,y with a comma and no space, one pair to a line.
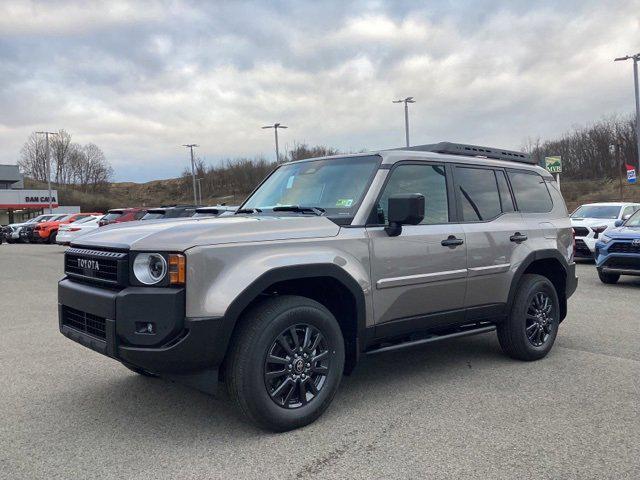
434,338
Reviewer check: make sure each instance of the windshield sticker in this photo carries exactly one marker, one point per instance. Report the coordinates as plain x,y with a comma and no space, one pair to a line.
290,181
344,202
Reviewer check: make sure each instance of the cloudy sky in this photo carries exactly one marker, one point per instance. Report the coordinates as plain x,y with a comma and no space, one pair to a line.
141,78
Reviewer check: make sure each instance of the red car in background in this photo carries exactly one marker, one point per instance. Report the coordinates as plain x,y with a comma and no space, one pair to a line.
119,215
47,231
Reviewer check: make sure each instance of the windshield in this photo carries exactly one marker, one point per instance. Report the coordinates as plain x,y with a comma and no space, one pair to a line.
634,220
597,211
153,215
334,185
111,216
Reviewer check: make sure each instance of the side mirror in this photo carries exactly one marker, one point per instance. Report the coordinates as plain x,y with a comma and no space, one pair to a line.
619,222
404,209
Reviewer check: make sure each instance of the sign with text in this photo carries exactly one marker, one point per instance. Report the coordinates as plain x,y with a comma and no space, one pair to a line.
16,199
553,164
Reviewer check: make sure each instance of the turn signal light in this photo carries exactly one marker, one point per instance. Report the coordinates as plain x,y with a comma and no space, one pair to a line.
177,269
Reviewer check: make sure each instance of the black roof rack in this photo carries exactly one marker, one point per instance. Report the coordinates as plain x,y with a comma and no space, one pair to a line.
474,151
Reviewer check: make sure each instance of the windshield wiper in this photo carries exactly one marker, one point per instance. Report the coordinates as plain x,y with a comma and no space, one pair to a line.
298,208
249,210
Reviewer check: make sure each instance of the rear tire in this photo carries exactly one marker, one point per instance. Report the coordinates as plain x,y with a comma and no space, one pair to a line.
52,237
608,278
530,331
285,362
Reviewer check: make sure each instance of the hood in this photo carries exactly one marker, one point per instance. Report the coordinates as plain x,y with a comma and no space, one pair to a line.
624,233
592,222
17,225
181,234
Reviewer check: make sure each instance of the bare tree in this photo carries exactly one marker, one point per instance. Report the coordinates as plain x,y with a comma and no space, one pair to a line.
33,160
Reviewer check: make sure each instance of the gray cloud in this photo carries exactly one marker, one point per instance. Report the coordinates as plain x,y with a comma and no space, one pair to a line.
141,78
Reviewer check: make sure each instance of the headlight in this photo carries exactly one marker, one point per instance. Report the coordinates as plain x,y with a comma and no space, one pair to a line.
604,238
149,268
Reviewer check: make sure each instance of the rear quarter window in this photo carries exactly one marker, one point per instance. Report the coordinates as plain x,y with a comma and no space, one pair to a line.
530,191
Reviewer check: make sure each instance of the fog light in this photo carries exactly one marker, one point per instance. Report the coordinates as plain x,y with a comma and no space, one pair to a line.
148,328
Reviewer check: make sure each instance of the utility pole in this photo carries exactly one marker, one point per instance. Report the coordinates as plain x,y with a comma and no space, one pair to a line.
46,135
406,102
191,146
636,59
275,127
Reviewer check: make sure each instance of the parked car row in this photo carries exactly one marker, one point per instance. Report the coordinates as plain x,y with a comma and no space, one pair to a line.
609,233
64,228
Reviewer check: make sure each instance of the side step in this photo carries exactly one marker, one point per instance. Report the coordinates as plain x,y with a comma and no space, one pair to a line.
435,338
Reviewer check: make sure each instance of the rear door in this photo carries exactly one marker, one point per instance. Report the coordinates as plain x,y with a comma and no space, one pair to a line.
495,233
418,282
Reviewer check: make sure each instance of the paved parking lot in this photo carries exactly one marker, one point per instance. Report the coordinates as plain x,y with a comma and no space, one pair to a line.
457,409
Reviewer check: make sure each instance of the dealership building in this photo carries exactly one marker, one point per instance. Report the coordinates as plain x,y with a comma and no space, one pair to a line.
18,204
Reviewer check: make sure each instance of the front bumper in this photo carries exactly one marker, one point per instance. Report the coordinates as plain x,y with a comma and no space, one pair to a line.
180,345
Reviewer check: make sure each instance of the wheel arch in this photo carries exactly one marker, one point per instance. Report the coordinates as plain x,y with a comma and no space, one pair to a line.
550,264
327,283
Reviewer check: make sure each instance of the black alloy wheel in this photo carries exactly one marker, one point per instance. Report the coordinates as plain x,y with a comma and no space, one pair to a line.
530,330
539,323
296,366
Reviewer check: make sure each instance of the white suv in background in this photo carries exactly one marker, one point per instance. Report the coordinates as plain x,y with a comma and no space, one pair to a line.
69,232
590,220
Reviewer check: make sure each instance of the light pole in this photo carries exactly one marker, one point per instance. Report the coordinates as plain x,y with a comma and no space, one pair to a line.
191,146
406,102
636,59
199,179
275,127
46,135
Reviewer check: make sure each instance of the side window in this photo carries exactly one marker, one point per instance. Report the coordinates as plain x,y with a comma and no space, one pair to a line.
477,194
505,195
531,192
139,215
429,180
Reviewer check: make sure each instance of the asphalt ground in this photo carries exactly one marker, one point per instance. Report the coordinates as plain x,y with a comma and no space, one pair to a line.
454,409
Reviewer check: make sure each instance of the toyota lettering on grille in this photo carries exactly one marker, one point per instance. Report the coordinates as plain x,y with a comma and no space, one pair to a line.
88,264
636,242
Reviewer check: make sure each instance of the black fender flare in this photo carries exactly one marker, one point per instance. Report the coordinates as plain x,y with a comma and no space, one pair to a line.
545,254
280,274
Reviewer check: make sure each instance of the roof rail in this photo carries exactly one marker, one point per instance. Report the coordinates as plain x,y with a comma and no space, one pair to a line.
474,151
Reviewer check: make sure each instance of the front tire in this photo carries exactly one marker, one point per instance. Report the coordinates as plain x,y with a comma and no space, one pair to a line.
52,237
530,331
608,278
285,363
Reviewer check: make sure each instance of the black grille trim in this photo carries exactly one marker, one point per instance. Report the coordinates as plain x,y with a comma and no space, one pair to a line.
84,322
112,266
624,247
581,231
581,249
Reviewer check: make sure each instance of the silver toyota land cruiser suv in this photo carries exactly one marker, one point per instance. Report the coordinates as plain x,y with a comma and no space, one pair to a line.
327,260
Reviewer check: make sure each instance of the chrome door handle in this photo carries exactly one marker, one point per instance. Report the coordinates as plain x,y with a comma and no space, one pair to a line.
518,237
452,241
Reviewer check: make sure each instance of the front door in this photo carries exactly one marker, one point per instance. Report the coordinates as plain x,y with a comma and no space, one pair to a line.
419,276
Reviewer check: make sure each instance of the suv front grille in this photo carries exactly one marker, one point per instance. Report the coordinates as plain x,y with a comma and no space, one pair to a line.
96,265
84,322
627,247
581,249
581,231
